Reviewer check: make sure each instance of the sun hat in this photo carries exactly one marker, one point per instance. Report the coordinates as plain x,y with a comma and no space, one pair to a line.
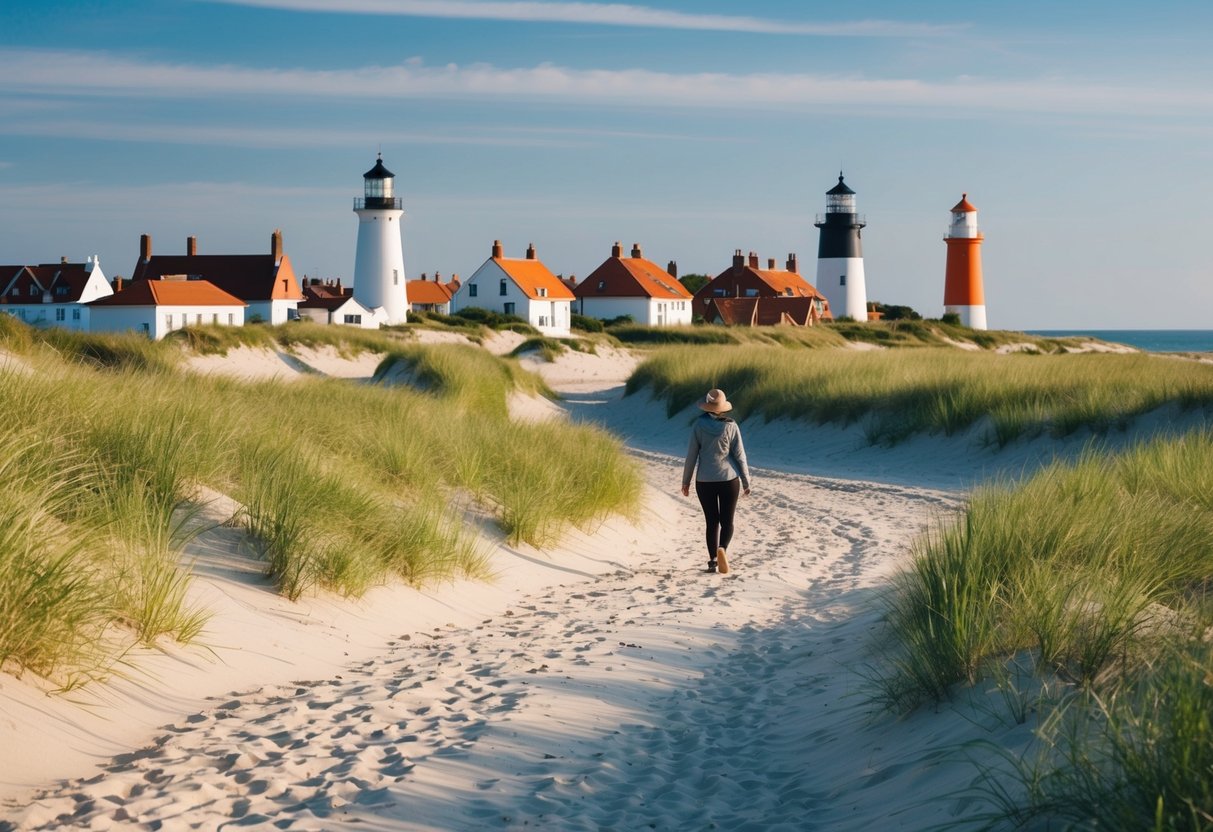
716,402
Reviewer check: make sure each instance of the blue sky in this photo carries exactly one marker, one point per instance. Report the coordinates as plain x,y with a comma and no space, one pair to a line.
1083,132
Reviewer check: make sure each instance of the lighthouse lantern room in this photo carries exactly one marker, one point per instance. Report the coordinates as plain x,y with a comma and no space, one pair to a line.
840,254
379,281
963,293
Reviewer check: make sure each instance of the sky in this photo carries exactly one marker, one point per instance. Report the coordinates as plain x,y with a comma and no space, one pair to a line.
1082,131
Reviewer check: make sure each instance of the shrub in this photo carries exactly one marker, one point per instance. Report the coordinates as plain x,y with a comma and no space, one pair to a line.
586,324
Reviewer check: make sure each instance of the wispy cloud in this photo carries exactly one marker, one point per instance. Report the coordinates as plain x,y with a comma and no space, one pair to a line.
93,74
604,14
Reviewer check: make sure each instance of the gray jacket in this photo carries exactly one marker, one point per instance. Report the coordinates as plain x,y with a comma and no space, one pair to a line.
716,448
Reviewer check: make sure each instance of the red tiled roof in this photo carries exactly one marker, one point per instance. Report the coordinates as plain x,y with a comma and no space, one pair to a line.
532,275
247,276
327,297
428,291
776,284
629,277
170,293
763,311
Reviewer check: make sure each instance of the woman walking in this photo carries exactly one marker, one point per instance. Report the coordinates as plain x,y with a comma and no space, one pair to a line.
723,474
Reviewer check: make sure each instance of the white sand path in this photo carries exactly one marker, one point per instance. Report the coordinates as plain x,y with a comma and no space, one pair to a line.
648,695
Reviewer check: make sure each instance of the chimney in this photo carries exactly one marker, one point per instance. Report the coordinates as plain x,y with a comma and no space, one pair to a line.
753,259
339,289
62,260
145,247
738,260
672,269
117,283
191,246
636,250
530,251
497,249
792,263
276,244
617,250
770,264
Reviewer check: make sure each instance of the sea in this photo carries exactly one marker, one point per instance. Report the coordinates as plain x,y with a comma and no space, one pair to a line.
1152,340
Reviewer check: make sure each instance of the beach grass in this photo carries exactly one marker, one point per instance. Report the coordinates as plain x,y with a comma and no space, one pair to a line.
896,394
1097,572
343,486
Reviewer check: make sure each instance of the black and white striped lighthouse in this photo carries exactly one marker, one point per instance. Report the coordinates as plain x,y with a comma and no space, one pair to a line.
840,254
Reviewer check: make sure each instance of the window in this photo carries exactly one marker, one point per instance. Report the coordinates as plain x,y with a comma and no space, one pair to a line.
231,318
543,320
168,321
395,277
285,285
503,286
75,314
60,290
751,293
33,290
146,327
471,290
353,319
509,309
214,317
842,280
543,293
788,291
602,285
60,314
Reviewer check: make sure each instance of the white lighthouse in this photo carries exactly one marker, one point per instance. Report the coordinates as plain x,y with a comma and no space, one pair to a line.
379,282
840,254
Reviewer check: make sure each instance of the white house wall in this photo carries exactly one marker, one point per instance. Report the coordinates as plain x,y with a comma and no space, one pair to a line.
154,320
644,310
487,282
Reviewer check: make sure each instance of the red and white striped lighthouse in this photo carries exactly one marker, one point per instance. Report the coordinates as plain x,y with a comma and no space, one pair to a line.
963,293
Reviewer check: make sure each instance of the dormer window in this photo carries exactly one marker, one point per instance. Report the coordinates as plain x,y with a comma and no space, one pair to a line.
788,291
33,290
543,293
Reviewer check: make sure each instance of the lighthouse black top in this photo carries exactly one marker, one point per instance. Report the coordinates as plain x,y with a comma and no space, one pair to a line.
840,226
377,188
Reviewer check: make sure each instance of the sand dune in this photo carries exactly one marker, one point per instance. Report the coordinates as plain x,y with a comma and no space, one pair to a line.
609,683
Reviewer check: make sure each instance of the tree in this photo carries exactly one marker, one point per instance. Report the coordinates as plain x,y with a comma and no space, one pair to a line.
694,282
895,312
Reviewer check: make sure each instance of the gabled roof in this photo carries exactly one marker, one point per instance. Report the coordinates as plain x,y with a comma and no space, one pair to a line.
629,277
170,293
325,296
763,311
781,282
531,276
69,282
249,277
428,291
64,281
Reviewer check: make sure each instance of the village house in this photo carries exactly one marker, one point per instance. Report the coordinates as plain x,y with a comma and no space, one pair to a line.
266,282
635,287
328,302
746,294
427,295
53,294
525,288
157,306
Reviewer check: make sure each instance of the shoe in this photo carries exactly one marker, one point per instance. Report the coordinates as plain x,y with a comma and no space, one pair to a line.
722,559
711,566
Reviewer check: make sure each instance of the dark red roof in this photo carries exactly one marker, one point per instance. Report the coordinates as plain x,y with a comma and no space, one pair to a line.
762,311
325,296
247,276
64,281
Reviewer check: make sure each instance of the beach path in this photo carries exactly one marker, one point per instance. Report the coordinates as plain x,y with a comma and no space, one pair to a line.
652,695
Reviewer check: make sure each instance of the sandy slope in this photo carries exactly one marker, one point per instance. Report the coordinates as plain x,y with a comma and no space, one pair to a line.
609,683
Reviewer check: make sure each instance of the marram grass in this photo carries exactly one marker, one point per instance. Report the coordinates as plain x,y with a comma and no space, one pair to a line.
344,486
899,393
1098,572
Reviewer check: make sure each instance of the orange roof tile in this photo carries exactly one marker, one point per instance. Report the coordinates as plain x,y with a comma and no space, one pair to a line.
170,293
631,277
428,291
531,276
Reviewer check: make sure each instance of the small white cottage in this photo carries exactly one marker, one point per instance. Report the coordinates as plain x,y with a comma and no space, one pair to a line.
637,287
525,288
157,306
53,294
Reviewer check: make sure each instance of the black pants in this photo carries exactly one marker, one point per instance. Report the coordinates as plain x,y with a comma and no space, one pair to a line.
719,501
